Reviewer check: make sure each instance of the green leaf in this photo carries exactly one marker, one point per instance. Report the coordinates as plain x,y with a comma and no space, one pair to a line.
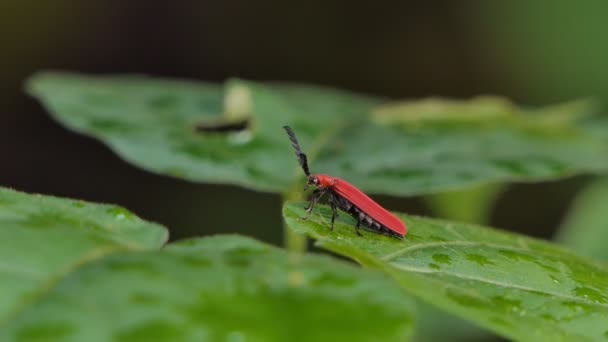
433,324
151,123
519,287
397,156
43,238
585,229
471,205
224,288
76,271
402,149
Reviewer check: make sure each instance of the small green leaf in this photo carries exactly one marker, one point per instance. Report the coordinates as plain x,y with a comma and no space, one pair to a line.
224,288
402,149
585,229
43,238
519,287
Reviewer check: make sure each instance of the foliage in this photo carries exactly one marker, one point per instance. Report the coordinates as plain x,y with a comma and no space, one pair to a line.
74,271
585,230
443,147
98,275
523,288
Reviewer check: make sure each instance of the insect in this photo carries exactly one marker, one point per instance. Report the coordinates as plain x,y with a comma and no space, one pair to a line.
348,198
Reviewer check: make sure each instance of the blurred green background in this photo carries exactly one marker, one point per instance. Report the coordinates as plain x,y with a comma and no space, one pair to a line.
536,53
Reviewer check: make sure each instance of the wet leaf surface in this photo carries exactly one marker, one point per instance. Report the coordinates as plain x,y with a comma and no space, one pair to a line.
519,287
43,238
224,288
77,271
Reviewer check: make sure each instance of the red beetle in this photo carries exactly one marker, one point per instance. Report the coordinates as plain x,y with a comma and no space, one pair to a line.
348,198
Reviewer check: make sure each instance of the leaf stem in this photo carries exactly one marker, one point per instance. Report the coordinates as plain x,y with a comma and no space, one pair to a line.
293,241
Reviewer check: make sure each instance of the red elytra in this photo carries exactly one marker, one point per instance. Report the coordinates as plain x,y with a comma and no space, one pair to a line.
348,198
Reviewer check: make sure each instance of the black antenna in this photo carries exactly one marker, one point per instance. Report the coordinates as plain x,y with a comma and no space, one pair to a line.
299,154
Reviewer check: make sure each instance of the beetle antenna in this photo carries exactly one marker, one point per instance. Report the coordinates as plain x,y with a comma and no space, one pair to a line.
296,146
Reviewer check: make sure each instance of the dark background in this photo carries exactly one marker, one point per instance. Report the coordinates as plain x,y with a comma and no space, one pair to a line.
536,53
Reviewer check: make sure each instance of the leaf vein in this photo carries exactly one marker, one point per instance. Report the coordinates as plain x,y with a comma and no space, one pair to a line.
446,244
499,283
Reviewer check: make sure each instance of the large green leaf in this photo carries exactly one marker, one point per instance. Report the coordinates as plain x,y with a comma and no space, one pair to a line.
76,271
397,156
224,288
471,205
402,149
43,238
522,288
151,123
585,230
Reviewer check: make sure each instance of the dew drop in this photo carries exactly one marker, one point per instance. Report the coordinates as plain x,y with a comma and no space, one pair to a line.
573,306
511,305
120,214
590,294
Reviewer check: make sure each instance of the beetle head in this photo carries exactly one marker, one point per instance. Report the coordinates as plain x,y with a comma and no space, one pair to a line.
313,180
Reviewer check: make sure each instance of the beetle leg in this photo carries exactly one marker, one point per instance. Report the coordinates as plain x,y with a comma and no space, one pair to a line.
357,228
334,211
312,199
316,196
359,219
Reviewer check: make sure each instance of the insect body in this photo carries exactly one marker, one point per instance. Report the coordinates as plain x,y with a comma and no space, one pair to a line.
348,198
